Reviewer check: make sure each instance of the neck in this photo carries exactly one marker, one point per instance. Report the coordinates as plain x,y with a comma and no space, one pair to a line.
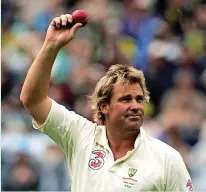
120,142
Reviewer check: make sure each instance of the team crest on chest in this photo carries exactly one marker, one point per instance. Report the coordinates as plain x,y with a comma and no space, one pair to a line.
97,159
130,181
131,172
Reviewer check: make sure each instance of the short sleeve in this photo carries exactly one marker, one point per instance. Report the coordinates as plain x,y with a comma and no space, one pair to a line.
178,178
66,128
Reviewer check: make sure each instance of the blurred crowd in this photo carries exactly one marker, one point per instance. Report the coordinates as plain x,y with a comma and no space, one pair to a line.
164,38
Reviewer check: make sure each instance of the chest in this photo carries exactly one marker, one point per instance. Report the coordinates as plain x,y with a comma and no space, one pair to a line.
99,172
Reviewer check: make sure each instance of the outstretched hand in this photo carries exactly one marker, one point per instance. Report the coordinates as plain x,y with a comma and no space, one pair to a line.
59,32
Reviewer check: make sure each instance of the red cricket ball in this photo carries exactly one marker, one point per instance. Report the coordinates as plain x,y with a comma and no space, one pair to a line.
80,16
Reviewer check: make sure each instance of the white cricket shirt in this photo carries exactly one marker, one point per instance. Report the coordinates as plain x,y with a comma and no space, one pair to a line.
151,166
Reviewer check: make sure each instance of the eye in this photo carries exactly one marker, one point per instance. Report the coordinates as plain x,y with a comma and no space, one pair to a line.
140,99
126,99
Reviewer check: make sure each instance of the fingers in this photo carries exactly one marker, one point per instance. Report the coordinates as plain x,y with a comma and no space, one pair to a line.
62,21
69,18
56,22
75,28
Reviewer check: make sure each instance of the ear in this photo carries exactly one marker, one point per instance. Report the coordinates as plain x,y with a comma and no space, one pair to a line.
104,108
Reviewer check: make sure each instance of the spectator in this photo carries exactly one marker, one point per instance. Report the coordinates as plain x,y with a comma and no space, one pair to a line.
22,175
185,114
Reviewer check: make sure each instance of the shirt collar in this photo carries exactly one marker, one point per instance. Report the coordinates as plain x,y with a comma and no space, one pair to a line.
139,138
101,137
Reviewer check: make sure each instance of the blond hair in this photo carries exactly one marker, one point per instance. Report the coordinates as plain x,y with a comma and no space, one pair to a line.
103,91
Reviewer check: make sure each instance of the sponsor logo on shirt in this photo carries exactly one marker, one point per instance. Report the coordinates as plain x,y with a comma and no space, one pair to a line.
129,179
97,159
189,185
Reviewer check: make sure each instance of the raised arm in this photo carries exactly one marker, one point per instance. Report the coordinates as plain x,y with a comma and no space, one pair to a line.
34,94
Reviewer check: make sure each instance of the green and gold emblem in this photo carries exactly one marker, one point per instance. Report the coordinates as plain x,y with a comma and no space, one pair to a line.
132,172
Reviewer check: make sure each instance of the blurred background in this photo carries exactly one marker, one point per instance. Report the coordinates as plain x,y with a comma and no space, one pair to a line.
164,38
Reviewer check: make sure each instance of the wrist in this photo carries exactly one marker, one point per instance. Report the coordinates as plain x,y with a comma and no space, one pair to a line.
52,46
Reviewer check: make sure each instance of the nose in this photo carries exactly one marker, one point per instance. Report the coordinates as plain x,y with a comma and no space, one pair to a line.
135,106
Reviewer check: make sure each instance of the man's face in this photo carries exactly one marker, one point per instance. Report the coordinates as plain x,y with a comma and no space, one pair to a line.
126,107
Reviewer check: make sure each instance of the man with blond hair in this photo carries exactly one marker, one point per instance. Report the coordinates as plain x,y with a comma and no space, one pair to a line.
114,153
